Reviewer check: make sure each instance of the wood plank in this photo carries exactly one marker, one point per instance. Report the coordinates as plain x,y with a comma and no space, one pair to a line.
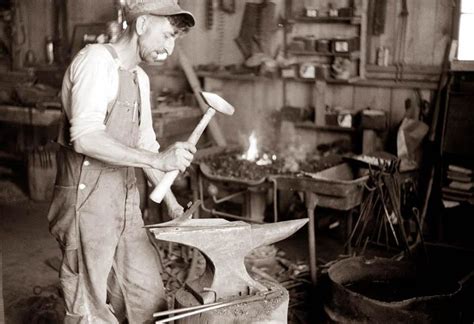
424,37
375,98
442,29
340,96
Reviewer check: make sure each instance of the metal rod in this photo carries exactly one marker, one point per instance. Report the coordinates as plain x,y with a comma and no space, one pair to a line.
209,308
182,310
228,197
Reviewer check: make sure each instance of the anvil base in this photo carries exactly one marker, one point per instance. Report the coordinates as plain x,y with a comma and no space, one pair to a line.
271,310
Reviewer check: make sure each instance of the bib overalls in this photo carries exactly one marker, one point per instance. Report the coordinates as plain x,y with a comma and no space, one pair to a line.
109,265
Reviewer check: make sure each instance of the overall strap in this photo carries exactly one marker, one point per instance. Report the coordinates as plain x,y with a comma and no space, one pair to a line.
112,51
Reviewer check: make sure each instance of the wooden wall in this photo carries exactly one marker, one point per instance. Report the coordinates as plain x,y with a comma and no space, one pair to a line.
37,19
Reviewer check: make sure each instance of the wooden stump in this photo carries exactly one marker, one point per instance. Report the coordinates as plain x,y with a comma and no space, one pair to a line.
274,310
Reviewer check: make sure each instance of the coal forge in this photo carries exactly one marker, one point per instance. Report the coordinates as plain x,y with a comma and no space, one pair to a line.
232,164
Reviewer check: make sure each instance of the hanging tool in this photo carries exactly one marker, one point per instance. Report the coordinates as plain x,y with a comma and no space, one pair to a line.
400,41
188,214
227,6
209,14
379,17
215,103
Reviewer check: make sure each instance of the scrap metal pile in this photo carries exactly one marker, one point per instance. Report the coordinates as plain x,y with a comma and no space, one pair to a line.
181,263
232,165
270,263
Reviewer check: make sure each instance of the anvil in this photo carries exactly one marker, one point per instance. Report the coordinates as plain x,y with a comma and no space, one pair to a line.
225,245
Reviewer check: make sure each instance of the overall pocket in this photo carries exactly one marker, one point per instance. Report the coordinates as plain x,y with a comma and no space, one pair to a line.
73,288
62,217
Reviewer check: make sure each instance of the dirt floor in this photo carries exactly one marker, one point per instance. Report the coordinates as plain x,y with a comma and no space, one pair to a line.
28,281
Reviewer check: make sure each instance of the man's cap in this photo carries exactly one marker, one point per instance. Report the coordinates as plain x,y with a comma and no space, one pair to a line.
136,8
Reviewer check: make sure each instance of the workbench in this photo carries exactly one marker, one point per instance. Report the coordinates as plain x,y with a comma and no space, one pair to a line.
335,188
29,115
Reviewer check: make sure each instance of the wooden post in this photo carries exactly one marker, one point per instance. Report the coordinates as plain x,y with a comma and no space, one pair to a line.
256,203
216,132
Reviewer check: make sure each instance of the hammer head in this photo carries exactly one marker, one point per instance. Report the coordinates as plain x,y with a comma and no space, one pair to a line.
217,103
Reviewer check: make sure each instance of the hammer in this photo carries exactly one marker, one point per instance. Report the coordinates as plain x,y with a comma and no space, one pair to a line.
215,103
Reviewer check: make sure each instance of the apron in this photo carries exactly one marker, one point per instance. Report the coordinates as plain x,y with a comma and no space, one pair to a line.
109,266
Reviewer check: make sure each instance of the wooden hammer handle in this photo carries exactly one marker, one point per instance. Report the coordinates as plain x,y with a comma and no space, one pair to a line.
162,188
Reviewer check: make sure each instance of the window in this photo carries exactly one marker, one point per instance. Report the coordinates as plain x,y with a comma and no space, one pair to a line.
466,28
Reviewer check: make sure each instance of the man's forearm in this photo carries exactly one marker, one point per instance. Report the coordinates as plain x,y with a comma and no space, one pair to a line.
99,145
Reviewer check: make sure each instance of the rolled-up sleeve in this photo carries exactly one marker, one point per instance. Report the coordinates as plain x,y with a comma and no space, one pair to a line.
147,139
90,93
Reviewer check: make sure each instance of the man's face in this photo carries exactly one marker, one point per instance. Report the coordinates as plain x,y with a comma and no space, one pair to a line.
157,40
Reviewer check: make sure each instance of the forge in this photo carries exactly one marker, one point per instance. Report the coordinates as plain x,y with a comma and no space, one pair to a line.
233,163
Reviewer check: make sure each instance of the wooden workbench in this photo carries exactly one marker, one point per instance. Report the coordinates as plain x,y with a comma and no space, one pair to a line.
29,115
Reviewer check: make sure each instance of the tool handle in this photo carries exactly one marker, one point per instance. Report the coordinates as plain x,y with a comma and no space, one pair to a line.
197,132
162,188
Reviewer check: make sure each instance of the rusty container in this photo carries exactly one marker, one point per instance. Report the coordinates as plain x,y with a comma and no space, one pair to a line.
388,291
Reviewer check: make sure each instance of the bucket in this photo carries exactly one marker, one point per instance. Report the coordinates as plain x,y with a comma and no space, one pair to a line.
389,291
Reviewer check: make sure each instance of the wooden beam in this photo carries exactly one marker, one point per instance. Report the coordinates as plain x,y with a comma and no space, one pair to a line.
216,132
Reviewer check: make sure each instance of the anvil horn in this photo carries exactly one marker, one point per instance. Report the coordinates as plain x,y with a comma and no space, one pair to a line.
265,234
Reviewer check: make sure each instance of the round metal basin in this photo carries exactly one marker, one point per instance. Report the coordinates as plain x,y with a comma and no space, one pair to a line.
388,291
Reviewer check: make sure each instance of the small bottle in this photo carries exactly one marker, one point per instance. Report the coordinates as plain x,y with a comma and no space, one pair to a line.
386,56
380,56
49,50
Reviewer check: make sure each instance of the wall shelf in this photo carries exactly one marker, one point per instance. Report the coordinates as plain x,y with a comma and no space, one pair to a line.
311,125
327,20
357,82
248,77
352,55
385,83
29,115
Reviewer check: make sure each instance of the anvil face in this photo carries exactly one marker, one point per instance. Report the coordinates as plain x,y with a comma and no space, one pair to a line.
225,245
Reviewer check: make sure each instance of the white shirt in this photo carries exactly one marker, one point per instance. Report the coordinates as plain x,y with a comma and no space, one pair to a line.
90,84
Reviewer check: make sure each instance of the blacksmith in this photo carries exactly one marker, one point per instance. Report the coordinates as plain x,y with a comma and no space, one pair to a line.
106,132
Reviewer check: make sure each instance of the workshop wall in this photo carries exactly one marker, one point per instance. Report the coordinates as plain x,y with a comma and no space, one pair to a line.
428,31
212,41
35,19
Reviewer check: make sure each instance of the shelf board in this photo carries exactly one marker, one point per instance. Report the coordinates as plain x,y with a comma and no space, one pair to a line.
356,20
355,81
249,77
352,55
385,83
233,76
311,125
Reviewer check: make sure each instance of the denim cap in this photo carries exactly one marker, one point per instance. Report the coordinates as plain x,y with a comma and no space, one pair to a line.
136,8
